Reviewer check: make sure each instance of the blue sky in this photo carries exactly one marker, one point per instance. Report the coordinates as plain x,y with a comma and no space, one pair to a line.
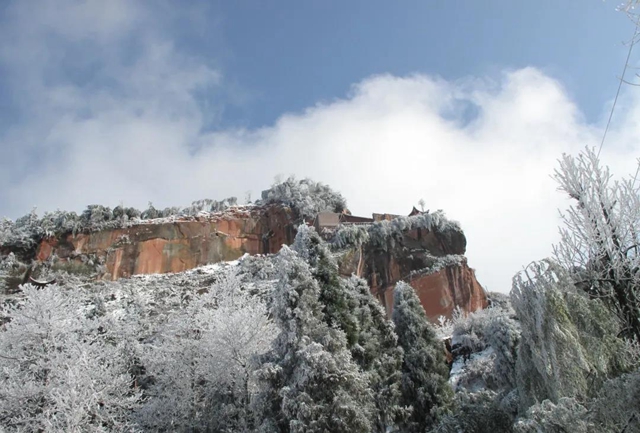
290,56
466,104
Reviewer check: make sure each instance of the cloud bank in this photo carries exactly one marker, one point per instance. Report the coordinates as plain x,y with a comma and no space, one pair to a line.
108,107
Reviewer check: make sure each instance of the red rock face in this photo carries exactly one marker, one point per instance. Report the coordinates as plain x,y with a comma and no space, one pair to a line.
188,243
179,245
439,292
442,291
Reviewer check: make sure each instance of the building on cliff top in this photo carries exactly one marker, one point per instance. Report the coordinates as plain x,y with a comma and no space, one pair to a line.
331,220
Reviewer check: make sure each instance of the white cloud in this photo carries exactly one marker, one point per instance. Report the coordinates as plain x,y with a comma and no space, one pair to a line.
132,132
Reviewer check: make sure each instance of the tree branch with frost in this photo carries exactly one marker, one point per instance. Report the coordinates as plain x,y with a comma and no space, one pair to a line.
599,240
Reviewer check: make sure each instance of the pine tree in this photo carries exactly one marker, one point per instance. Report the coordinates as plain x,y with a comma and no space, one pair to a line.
377,353
311,383
424,370
338,302
349,305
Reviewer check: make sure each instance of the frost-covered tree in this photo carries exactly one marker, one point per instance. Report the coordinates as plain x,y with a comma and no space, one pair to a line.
568,342
22,235
565,416
59,370
349,306
96,215
150,213
421,203
424,370
479,412
484,344
617,406
201,365
338,302
305,195
600,240
310,381
386,234
377,353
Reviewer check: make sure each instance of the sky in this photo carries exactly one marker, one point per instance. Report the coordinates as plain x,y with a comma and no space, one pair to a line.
467,105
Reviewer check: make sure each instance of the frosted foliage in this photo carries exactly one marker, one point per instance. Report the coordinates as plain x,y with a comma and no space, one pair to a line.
439,263
377,353
503,336
7,264
59,371
566,416
493,334
385,234
302,244
558,355
310,382
305,195
424,371
479,412
350,235
338,301
202,362
599,237
617,407
349,306
258,268
23,233
27,231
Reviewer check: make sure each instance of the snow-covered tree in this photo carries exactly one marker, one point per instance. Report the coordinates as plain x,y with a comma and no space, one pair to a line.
617,406
482,411
338,303
377,353
568,342
349,306
202,363
305,195
565,416
424,370
310,381
386,234
600,240
59,370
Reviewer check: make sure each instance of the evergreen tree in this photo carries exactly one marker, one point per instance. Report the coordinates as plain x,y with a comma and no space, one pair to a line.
349,305
377,353
424,370
311,382
338,302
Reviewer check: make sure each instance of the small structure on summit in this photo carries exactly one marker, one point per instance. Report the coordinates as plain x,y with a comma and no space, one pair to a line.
326,220
331,220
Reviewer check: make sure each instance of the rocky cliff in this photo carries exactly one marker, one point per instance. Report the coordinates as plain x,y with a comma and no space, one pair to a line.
431,260
178,244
